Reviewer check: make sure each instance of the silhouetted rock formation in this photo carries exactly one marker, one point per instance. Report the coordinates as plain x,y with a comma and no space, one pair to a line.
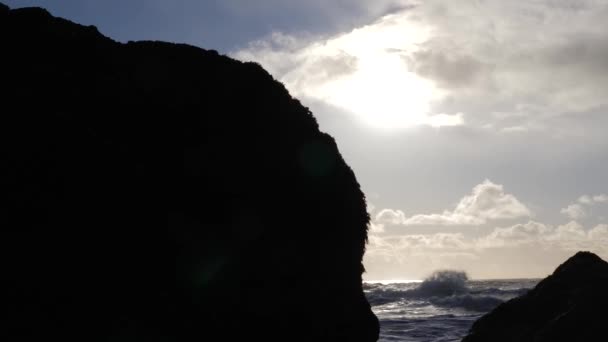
569,305
156,191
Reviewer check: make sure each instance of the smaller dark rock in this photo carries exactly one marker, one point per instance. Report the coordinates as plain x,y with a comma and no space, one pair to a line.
569,305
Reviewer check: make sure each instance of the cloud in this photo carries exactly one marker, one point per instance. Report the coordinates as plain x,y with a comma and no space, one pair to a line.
574,211
371,207
512,79
433,241
518,234
445,120
396,250
569,233
510,247
373,81
516,57
449,70
585,199
577,211
389,216
599,233
487,202
592,199
571,236
376,228
509,66
480,250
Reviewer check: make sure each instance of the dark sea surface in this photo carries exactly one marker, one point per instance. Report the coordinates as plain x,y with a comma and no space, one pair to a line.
441,308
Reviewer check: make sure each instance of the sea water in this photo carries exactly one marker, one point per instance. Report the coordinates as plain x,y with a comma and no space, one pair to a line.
441,308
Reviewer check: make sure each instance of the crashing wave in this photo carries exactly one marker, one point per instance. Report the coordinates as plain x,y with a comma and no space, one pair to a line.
446,288
443,283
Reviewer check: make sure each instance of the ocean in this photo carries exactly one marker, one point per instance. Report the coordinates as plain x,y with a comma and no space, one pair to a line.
441,308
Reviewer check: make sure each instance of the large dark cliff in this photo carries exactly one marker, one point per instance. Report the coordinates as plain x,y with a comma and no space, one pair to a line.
569,305
157,191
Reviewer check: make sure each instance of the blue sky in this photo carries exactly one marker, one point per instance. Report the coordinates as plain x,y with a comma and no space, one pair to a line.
476,128
223,25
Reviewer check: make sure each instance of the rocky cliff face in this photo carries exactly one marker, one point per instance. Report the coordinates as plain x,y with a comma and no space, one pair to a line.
156,191
569,305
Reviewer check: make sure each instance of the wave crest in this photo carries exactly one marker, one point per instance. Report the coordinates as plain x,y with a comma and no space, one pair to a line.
445,289
443,284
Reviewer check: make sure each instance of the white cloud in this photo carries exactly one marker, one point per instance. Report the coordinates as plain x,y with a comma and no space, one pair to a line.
412,241
395,250
600,233
370,206
585,199
600,198
389,216
362,72
376,228
574,211
577,211
445,120
592,199
487,202
515,235
510,247
447,218
516,57
512,66
480,250
571,236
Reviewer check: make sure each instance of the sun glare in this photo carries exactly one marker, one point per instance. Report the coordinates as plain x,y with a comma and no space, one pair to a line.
381,91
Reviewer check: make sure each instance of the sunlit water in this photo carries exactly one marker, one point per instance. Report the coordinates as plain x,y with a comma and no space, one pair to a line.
440,309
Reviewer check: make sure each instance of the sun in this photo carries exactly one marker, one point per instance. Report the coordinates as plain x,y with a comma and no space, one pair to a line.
381,91
370,72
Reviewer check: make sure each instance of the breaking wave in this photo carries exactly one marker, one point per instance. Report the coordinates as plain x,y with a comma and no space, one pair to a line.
441,308
447,288
441,284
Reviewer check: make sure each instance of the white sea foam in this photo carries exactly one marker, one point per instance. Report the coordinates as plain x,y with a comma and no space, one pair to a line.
443,283
440,308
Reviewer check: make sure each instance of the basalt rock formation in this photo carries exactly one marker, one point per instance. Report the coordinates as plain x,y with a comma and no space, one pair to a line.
157,191
569,305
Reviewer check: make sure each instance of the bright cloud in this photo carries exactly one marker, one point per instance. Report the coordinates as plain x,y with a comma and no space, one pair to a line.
481,250
506,65
525,94
514,65
592,199
389,216
512,247
518,234
362,72
578,210
574,211
571,236
487,202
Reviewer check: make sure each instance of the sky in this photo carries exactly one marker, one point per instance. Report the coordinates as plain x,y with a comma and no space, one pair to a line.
475,127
